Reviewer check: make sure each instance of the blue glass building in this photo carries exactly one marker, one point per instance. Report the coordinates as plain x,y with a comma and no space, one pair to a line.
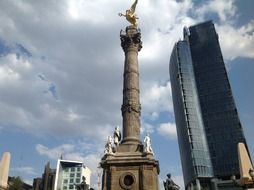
193,146
208,126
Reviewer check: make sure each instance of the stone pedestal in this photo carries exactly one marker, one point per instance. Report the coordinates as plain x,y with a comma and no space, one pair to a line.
133,171
129,167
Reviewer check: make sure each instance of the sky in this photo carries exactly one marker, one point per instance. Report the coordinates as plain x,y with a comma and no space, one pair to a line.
61,75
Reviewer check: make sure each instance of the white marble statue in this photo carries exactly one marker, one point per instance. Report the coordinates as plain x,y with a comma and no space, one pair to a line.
147,143
109,146
117,135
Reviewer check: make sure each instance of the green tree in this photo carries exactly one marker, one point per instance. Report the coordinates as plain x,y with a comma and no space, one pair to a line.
15,183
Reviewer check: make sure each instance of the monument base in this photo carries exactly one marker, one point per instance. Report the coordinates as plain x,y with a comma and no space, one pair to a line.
130,170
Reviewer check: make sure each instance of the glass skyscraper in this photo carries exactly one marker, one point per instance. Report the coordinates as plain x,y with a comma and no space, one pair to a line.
208,126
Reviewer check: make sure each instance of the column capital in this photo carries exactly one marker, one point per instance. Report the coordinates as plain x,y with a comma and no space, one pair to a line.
131,37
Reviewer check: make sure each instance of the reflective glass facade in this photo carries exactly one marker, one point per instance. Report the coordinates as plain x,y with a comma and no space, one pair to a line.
207,121
193,147
221,121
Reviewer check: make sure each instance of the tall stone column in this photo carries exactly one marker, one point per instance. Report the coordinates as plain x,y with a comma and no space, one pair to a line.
129,167
4,170
131,108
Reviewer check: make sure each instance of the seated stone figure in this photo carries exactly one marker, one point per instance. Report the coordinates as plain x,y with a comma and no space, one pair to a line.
169,184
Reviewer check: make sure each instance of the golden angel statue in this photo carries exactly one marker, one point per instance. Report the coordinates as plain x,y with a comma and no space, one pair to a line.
130,14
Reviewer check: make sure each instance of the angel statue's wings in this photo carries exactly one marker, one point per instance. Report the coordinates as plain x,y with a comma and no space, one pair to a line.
130,14
133,7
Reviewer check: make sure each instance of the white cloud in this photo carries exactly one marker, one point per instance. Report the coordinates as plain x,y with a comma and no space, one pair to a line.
86,89
146,128
54,153
167,130
94,11
236,42
156,98
225,9
25,170
13,68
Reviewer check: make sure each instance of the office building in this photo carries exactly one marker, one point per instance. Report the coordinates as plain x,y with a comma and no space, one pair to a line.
195,157
70,173
37,183
47,181
208,126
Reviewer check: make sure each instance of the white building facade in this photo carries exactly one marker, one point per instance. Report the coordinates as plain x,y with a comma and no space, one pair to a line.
70,173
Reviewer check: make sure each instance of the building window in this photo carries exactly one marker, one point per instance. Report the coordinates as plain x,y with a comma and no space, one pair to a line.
78,174
71,180
73,169
78,169
72,175
64,187
77,180
71,186
66,181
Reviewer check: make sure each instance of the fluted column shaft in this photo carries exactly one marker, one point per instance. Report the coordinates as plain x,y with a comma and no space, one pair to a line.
131,108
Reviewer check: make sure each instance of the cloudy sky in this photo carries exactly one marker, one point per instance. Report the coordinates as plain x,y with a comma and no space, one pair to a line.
61,68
